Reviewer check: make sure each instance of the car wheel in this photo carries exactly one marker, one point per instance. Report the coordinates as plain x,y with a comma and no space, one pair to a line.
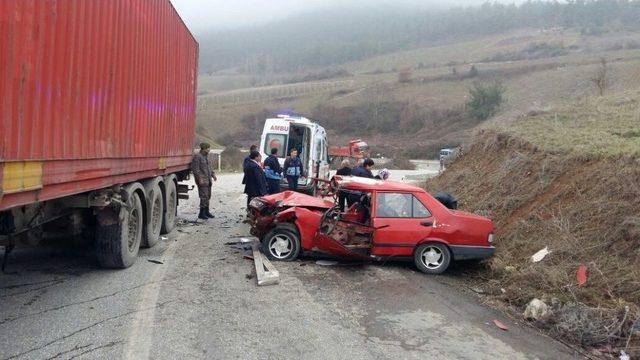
281,244
432,258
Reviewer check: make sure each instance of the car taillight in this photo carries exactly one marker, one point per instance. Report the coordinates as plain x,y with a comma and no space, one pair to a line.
490,238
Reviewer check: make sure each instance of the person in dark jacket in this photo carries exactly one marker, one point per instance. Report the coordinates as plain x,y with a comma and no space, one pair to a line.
364,170
293,169
273,172
203,174
247,160
256,184
345,170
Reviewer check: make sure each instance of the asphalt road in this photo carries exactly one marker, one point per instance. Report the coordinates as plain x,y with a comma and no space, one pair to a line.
200,303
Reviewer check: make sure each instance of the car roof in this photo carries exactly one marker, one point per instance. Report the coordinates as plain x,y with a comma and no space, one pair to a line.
365,184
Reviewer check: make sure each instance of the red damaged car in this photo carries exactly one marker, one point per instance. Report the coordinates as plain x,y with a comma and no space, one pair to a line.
384,220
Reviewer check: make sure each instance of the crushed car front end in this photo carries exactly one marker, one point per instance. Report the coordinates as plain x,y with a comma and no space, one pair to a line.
264,211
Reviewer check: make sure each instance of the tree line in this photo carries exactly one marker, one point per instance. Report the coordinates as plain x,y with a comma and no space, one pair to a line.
337,36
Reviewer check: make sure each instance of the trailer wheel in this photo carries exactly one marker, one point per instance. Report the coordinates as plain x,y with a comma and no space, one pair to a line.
171,201
119,234
156,213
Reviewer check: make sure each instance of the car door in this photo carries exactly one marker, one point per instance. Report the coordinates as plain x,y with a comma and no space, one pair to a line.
343,235
401,221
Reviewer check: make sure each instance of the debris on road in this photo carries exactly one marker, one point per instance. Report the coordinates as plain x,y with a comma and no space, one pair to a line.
537,257
581,275
500,325
536,309
155,261
266,273
624,355
326,262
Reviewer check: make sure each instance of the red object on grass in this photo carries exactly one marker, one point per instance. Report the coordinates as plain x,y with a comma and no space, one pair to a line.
581,275
500,325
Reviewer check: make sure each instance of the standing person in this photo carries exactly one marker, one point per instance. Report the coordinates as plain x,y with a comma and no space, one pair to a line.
293,169
345,170
256,184
273,172
247,160
364,170
203,175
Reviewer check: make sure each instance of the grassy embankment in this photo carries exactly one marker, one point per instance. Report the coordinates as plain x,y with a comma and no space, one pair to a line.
567,179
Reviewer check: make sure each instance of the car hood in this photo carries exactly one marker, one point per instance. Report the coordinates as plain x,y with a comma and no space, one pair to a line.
292,198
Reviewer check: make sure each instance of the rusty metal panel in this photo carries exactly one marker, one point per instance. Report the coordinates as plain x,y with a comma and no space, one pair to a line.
100,80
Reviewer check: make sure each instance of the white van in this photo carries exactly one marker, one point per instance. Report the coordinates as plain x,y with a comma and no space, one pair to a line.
285,133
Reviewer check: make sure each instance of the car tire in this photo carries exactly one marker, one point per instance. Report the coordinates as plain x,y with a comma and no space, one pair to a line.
281,244
432,258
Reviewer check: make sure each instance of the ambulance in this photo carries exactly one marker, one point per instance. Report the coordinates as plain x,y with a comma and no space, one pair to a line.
287,132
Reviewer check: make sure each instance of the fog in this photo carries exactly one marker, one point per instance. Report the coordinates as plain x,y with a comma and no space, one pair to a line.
206,15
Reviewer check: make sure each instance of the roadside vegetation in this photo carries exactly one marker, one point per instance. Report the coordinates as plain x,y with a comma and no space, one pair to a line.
485,100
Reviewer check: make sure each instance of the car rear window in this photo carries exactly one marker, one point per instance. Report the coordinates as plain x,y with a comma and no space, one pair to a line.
399,205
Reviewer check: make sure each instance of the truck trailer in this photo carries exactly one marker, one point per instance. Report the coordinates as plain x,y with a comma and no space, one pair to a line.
97,116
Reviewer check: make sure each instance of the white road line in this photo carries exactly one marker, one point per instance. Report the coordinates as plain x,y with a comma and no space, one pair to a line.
140,336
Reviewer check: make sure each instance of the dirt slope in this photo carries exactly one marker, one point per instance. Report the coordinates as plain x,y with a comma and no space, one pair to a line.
586,209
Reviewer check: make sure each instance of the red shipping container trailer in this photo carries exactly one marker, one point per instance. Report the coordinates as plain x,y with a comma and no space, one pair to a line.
97,112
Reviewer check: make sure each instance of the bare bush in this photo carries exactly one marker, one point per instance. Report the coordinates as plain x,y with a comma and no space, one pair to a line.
600,77
590,326
404,76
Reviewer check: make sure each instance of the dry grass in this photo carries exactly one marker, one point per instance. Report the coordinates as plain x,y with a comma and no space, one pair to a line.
596,127
538,85
584,208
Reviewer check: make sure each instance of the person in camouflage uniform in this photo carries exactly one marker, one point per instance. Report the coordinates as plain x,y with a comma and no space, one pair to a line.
203,174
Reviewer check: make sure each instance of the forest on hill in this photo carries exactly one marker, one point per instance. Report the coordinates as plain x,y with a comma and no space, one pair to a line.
340,35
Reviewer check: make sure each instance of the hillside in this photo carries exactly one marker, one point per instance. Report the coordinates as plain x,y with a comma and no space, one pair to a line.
546,68
337,35
566,179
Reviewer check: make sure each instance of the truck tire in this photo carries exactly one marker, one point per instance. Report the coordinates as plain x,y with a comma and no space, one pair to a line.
171,207
118,240
155,211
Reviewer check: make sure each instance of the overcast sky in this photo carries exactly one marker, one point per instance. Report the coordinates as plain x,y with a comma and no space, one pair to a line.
201,15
